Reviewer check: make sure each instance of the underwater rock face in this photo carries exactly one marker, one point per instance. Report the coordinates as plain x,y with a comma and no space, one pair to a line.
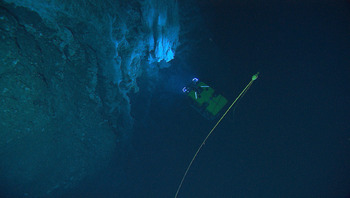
162,22
51,134
132,36
66,70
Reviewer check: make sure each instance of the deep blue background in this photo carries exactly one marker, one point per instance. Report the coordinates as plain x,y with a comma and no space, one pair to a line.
290,134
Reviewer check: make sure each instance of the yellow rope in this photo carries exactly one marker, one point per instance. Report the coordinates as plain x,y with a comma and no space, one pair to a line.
211,131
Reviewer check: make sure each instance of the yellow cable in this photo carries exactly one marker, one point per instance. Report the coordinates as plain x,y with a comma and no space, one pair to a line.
254,77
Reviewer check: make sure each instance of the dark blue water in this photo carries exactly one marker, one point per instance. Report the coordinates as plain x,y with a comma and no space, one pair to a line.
288,137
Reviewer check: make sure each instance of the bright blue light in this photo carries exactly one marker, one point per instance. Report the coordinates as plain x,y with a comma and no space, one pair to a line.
195,80
184,90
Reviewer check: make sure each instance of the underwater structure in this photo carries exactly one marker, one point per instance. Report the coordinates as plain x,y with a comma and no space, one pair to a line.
204,99
67,68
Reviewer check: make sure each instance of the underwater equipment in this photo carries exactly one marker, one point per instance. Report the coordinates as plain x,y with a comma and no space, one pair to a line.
204,99
254,77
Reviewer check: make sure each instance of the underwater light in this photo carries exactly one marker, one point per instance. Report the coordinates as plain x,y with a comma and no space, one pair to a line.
185,90
195,80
